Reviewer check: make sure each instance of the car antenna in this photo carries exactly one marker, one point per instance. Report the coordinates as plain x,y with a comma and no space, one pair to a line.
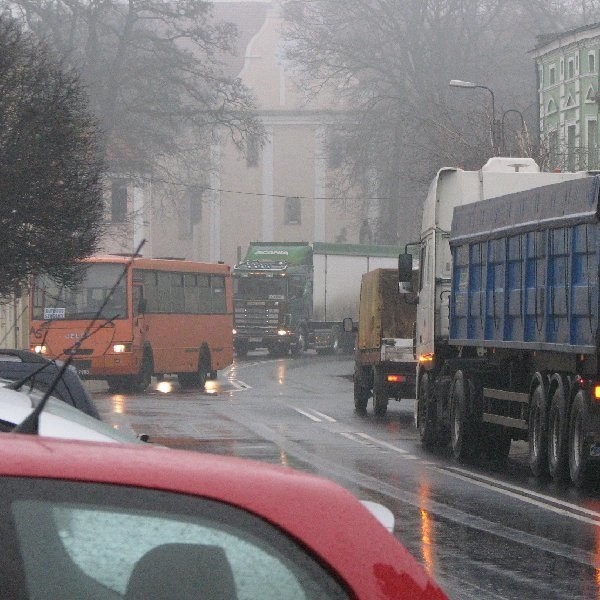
30,425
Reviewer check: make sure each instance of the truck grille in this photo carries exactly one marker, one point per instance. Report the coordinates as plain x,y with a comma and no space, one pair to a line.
255,319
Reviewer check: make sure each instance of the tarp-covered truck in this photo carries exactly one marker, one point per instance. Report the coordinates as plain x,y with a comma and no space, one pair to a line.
293,296
384,363
507,334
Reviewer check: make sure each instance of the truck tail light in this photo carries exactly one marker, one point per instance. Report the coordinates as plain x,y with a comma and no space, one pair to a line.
597,391
426,358
396,378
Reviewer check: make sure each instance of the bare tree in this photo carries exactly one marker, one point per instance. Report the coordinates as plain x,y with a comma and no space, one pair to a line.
392,63
155,76
50,164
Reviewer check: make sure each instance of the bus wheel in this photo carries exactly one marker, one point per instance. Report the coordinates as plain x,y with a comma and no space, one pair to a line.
197,379
143,379
115,384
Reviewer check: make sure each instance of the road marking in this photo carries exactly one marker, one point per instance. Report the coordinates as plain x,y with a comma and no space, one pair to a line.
382,443
306,414
324,416
239,385
524,498
313,414
525,491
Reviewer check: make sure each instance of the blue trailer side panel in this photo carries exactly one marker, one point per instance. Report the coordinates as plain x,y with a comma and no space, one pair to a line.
525,269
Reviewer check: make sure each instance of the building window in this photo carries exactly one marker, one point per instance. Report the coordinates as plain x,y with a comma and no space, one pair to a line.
292,211
592,62
592,144
118,202
571,69
551,106
562,67
552,75
571,157
252,151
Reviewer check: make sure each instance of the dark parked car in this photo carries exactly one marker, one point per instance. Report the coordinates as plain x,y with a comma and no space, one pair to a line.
16,365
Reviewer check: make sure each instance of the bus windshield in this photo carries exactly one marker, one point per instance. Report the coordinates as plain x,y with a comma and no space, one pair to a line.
260,288
54,301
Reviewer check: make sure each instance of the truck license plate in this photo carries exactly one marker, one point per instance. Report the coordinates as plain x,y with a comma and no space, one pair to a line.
255,339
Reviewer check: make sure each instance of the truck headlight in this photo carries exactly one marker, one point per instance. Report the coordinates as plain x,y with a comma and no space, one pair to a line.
120,348
40,349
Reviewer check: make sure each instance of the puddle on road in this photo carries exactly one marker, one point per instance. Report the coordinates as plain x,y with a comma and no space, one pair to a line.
259,450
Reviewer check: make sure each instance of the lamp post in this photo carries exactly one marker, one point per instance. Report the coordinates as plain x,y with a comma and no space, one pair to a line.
523,127
469,84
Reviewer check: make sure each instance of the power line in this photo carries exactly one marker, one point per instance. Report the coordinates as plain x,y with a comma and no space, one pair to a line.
204,187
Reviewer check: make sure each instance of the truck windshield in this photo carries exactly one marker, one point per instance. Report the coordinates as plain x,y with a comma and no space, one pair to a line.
53,301
260,288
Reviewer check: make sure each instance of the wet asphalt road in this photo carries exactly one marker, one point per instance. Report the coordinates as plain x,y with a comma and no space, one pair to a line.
480,532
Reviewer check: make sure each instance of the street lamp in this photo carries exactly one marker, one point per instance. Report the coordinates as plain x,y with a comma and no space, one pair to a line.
523,127
469,84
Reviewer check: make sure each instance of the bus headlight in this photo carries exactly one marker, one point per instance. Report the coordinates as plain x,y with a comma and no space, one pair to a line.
40,349
120,348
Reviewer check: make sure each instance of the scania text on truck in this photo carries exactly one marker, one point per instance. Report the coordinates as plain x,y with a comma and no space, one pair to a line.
293,296
506,333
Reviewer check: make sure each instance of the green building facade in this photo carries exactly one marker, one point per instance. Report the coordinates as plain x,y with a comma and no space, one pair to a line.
568,78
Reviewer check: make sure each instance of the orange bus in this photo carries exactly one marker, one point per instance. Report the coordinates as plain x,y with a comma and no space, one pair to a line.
164,316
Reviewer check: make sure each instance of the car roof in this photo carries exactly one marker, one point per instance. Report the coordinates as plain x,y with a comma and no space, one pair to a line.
320,514
58,419
16,364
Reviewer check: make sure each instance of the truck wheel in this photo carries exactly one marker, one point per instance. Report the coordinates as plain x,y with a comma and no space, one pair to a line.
426,413
380,397
464,432
558,432
538,433
579,459
361,393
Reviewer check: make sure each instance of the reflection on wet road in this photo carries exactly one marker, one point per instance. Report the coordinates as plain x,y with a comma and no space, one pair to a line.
482,533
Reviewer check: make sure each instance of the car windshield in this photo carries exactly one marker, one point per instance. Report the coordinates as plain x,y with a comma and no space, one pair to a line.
260,287
82,301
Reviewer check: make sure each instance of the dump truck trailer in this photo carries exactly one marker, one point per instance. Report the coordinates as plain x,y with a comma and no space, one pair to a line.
507,322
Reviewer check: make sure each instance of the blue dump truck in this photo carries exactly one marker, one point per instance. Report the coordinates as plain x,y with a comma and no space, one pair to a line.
510,349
